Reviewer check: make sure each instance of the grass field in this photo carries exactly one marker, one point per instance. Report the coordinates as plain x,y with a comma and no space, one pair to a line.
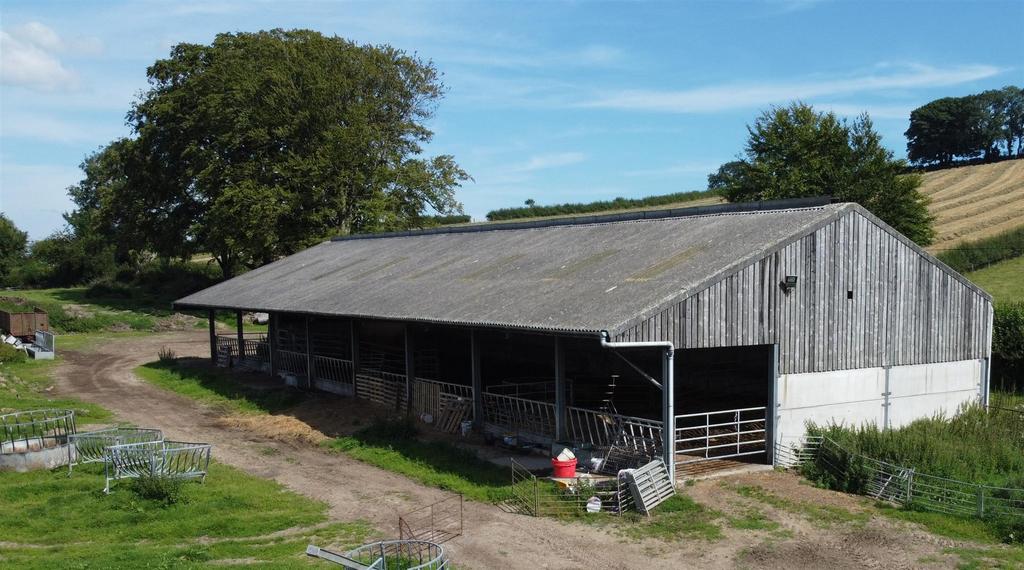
52,521
1004,280
969,202
972,202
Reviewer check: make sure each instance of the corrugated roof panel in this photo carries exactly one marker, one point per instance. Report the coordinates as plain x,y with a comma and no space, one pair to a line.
572,277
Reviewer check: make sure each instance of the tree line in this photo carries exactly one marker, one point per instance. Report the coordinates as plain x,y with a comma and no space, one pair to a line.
254,147
985,126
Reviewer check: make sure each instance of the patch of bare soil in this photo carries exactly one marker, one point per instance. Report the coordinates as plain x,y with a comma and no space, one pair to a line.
281,449
176,322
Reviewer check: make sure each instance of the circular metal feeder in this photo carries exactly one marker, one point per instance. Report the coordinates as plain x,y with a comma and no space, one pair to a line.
388,555
36,439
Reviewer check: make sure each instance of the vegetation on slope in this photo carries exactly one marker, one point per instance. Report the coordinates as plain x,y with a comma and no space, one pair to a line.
1002,280
976,254
532,210
975,446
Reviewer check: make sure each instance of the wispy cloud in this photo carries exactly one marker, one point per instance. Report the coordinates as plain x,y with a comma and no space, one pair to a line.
675,169
28,59
715,98
551,160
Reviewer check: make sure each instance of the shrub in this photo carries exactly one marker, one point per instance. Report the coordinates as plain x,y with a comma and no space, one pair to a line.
973,255
166,355
1008,346
11,355
164,490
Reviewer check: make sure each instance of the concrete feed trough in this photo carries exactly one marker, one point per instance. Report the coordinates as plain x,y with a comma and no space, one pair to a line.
36,439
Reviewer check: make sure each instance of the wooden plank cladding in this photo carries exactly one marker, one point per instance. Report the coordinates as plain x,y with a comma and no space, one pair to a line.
865,297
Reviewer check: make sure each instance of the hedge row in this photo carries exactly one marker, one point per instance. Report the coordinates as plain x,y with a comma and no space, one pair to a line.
599,206
973,255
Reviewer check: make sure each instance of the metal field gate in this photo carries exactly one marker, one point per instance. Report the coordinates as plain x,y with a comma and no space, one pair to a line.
724,434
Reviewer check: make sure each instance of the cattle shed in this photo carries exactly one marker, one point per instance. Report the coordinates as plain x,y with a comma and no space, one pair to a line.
731,325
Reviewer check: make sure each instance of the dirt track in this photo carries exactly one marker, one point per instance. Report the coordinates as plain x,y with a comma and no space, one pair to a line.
493,538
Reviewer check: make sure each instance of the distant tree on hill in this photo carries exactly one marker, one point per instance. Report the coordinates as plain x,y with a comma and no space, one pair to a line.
986,125
260,144
797,152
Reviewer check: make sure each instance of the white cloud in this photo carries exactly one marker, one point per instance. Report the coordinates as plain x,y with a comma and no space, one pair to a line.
552,160
744,95
29,57
875,111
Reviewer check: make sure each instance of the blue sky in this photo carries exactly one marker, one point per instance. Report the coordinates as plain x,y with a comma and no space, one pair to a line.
564,101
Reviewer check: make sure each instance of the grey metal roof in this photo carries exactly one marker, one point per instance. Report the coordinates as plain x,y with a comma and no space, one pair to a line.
576,277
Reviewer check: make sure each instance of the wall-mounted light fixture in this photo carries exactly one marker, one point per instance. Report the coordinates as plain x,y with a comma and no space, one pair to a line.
788,284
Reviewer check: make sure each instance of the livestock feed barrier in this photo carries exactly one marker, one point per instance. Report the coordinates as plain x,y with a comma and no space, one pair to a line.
904,486
388,555
91,446
36,439
167,459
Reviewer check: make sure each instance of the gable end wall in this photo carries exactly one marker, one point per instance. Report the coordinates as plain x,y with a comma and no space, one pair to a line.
906,308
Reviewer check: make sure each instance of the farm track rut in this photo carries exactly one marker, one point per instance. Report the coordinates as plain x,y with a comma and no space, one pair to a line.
493,539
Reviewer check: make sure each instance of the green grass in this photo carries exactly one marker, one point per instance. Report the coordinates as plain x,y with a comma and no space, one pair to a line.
820,515
678,518
51,520
753,520
1003,280
1006,558
973,446
201,381
104,309
957,528
393,446
26,386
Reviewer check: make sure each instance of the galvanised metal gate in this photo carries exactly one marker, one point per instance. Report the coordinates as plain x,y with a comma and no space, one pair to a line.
722,434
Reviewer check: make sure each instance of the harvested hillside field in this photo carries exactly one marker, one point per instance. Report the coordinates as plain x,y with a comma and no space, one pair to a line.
973,202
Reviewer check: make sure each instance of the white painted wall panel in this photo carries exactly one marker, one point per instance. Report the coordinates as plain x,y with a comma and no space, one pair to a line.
857,397
925,390
824,397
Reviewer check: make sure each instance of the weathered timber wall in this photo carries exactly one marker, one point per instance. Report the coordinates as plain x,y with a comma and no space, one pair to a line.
905,307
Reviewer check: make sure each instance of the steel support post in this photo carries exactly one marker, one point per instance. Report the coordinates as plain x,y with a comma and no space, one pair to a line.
410,365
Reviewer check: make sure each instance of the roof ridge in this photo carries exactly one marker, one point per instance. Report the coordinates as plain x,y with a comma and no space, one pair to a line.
756,207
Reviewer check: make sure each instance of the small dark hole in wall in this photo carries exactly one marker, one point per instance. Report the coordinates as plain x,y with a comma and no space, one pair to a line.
849,294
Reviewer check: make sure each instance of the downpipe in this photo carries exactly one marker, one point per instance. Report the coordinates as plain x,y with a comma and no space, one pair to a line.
668,431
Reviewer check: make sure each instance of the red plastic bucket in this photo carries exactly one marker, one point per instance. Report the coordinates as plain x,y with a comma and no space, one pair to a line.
564,468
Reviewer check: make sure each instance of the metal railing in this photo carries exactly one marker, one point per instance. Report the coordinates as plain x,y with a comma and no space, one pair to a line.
171,459
437,522
536,497
407,554
519,414
526,388
291,361
91,446
333,369
254,346
381,387
34,430
434,397
906,486
603,429
720,435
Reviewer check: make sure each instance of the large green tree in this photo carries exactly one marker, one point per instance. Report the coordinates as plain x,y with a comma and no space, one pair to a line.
13,244
985,125
260,144
797,152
